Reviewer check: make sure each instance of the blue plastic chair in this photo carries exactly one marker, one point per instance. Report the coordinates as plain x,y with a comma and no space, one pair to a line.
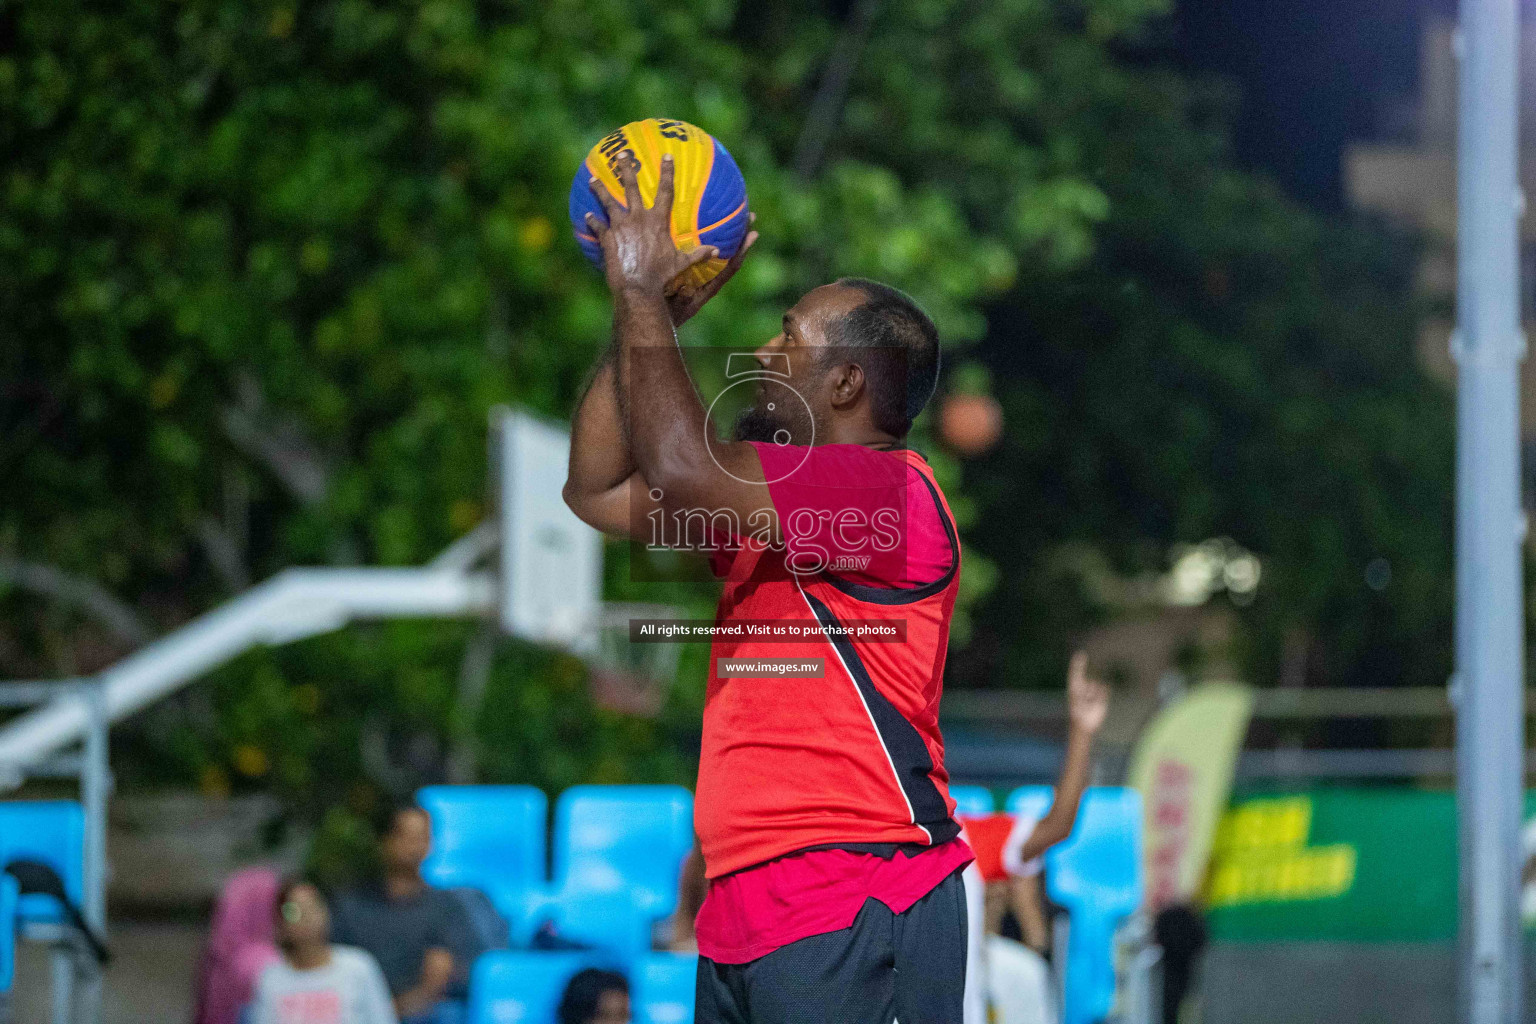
609,921
663,986
612,838
53,833
1096,875
515,987
972,801
489,838
8,899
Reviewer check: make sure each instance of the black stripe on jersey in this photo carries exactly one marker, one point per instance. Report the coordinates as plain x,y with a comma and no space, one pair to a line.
907,595
903,743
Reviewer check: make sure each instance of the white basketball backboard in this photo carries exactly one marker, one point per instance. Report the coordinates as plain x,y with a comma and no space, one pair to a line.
551,562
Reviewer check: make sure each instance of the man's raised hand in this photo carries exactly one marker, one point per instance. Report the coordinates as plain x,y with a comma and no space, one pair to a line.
638,251
1087,699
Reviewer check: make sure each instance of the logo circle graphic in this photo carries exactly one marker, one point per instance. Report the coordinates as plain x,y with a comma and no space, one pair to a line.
773,383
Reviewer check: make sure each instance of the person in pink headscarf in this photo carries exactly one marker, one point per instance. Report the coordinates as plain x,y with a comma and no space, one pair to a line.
241,943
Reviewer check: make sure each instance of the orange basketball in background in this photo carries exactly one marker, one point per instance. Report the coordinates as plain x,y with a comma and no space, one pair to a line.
970,424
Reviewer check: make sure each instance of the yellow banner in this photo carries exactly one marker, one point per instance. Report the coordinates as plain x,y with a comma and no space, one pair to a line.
1183,766
1264,855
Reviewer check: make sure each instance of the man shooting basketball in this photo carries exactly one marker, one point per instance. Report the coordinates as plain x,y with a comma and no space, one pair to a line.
823,809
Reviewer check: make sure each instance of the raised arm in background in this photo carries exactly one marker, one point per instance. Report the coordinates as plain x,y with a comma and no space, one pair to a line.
1087,707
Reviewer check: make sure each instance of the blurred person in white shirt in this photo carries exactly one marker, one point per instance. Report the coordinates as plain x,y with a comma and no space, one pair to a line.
316,982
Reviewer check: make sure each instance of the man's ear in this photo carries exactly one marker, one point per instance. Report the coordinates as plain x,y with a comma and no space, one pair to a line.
847,385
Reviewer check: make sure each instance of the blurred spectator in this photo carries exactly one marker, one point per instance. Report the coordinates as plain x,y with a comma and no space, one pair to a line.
488,929
692,887
1007,982
1011,883
1180,931
316,982
421,937
240,946
1023,893
1010,983
595,996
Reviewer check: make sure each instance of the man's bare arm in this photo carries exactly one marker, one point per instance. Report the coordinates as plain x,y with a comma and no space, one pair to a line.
672,443
1024,901
436,972
602,486
1088,705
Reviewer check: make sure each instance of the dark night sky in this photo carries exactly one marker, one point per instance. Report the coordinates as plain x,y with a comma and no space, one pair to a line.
1312,74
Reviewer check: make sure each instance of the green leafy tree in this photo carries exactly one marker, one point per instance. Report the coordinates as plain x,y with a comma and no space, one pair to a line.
1183,353
1225,364
269,266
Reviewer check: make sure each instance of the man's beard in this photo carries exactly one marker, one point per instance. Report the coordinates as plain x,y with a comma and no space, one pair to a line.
758,424
779,417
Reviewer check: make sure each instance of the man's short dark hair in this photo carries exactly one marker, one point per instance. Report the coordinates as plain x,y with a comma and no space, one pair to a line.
901,368
389,812
584,994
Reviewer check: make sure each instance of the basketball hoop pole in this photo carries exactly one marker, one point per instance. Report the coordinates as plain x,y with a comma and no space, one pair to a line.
1488,688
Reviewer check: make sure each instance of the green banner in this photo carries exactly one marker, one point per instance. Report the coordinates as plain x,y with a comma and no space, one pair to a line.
1356,865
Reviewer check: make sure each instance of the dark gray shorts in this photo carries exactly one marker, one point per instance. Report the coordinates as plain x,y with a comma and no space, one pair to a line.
908,967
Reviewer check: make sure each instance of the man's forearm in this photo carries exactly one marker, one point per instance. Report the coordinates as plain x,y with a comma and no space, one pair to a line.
665,414
429,990
418,1000
1070,785
600,456
1024,898
1075,770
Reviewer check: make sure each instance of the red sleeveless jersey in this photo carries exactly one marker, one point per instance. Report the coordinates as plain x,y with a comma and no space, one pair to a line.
852,758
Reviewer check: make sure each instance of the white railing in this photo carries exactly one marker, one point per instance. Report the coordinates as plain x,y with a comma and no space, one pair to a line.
292,605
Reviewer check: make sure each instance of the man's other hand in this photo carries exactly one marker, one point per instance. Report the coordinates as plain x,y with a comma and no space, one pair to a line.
688,299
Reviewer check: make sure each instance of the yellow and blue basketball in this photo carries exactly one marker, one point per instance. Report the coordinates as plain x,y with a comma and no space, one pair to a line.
709,205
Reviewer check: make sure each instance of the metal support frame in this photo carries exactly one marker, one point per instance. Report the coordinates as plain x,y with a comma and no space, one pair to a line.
1488,346
76,976
292,605
295,604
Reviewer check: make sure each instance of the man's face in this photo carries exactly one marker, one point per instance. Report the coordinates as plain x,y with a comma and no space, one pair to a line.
777,415
409,841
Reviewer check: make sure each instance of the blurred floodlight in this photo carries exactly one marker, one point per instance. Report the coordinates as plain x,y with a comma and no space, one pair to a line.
1199,571
1192,580
1241,574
